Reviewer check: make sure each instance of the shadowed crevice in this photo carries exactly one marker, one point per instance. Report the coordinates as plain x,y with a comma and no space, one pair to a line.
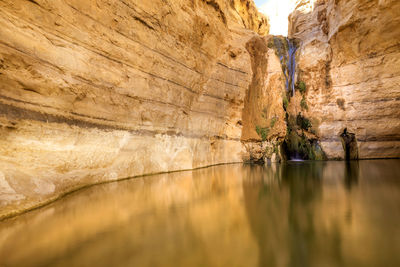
349,143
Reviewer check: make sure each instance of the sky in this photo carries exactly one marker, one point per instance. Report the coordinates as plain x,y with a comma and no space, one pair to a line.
278,12
261,2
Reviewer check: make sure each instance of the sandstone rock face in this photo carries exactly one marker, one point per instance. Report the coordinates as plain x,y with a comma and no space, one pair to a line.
93,91
350,61
263,116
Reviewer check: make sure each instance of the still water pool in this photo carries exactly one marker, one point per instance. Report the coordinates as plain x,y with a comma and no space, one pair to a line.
294,214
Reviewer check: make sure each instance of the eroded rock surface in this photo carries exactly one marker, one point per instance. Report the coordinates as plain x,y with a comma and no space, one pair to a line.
263,116
349,60
93,91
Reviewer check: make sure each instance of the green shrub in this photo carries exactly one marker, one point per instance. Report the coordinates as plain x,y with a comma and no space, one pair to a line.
303,122
285,103
262,132
302,87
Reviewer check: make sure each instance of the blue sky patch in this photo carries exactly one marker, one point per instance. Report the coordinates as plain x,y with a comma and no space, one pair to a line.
261,2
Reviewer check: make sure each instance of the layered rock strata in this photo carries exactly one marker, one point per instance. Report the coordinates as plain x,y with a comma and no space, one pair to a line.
349,60
93,91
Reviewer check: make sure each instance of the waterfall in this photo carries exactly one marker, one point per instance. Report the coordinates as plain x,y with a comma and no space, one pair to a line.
291,66
286,51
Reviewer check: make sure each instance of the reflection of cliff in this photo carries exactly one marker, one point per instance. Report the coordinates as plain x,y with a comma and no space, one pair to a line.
304,182
282,209
177,219
325,213
264,201
230,215
351,174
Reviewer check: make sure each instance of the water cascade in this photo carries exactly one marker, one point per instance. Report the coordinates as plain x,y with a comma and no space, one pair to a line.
291,65
300,141
286,51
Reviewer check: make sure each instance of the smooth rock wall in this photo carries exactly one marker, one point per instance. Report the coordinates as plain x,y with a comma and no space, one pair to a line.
93,91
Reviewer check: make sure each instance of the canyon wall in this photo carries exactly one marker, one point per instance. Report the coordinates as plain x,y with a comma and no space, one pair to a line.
93,91
264,125
349,61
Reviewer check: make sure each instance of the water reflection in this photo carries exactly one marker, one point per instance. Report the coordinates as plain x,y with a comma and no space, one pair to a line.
352,172
296,214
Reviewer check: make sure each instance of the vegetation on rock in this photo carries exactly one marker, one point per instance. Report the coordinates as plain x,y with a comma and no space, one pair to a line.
285,103
262,132
303,103
302,87
303,122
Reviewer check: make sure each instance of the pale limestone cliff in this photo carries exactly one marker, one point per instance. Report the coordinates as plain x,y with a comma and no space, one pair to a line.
93,91
349,60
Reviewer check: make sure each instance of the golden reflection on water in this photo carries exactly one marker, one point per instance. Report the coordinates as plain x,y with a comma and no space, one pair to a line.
295,214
